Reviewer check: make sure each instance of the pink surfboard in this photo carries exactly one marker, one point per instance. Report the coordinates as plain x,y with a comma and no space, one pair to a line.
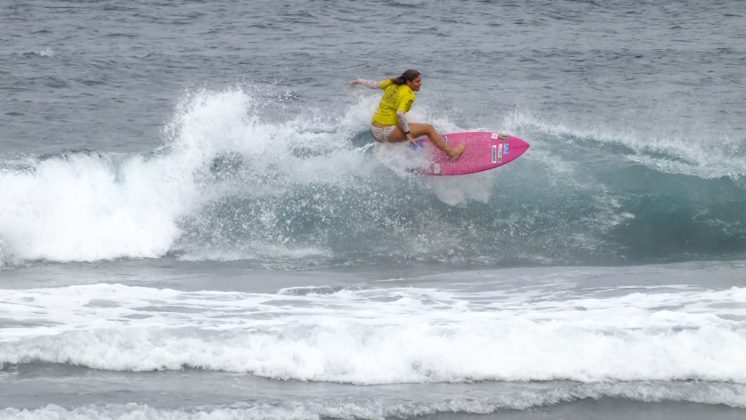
484,150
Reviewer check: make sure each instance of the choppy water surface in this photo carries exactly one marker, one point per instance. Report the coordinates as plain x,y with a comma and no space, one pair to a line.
189,195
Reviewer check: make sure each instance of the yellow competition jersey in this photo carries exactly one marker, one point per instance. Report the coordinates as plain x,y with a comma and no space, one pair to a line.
395,97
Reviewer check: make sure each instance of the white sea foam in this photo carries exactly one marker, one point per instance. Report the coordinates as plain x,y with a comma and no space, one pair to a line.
46,52
381,336
83,207
88,206
138,411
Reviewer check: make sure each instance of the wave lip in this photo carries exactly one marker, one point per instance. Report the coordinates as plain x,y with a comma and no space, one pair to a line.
91,206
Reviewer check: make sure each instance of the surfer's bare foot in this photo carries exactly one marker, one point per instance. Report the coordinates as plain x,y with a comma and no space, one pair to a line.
456,151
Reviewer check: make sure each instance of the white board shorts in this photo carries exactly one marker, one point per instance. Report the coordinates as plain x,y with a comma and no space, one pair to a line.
381,134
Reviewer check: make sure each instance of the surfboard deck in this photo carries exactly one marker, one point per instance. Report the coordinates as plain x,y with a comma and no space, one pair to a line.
484,150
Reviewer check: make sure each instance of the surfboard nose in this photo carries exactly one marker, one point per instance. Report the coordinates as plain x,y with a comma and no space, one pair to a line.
518,143
514,147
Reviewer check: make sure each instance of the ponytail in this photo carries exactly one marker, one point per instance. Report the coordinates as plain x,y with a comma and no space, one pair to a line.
407,76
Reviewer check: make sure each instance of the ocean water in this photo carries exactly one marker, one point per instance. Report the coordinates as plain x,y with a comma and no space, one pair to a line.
195,222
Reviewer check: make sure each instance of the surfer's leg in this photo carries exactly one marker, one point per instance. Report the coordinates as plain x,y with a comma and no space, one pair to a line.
417,129
396,135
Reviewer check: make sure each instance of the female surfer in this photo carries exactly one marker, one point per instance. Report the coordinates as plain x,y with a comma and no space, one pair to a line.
389,123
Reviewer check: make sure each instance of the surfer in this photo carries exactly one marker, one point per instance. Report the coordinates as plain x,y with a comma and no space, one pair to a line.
389,123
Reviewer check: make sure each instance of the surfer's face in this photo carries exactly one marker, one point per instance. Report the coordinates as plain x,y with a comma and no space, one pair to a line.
415,84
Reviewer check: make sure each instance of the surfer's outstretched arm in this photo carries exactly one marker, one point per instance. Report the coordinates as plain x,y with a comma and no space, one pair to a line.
367,83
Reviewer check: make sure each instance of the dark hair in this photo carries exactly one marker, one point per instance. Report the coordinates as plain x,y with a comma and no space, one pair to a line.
407,76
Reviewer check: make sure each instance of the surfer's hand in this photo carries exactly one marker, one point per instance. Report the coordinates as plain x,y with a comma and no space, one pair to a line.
410,138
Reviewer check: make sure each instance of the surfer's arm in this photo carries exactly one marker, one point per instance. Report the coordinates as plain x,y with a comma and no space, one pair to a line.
401,116
405,104
367,83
